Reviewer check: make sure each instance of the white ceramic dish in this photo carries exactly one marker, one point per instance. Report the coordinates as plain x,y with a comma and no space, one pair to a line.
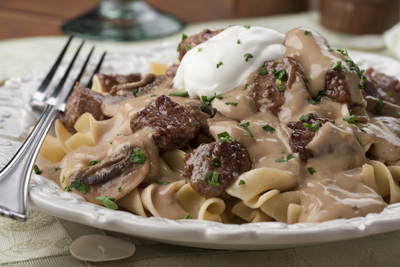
16,116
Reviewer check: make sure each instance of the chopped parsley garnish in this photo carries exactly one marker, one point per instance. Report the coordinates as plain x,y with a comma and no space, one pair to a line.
283,159
360,86
94,162
307,33
224,136
238,41
360,74
268,128
207,175
110,143
214,179
67,189
281,61
231,103
161,182
134,91
217,161
280,88
195,123
246,86
389,94
207,101
188,47
200,181
119,189
330,49
79,186
241,182
381,103
138,157
358,140
63,179
217,96
200,49
245,126
152,95
350,120
247,56
304,118
247,26
37,170
313,128
219,64
311,170
343,51
56,168
337,65
181,94
279,75
184,36
108,202
318,98
308,79
262,71
362,130
187,216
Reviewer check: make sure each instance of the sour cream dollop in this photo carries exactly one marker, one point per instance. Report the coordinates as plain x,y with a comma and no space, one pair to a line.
198,72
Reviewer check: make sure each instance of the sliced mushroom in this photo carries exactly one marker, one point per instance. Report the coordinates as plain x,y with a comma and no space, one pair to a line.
114,176
149,78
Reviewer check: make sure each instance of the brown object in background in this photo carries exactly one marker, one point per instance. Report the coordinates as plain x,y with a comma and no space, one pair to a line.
360,16
259,8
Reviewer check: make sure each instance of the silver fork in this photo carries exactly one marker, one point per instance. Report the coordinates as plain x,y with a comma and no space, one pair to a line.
15,176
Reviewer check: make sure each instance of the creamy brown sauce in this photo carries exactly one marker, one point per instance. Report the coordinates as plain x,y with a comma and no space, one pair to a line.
334,191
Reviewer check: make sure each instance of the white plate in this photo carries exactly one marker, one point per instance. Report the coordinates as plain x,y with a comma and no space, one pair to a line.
16,116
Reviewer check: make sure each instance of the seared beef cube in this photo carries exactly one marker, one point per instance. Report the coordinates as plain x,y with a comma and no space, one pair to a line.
267,92
213,167
196,39
108,81
173,125
302,135
171,71
381,86
80,101
336,88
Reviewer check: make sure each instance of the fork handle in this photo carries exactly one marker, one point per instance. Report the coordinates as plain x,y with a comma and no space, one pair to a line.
15,176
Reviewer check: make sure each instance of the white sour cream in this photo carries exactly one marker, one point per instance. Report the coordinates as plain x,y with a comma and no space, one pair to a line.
198,73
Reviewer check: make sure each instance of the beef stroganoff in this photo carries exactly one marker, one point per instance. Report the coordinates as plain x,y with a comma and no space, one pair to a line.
249,125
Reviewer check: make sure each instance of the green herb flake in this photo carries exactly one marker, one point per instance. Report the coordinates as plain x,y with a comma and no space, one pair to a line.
308,79
307,33
219,64
360,86
79,186
152,95
188,47
56,168
134,91
381,103
63,179
67,189
238,41
231,104
304,118
313,128
389,94
330,49
207,175
110,143
241,182
343,51
217,96
224,136
247,27
311,170
138,157
247,56
268,128
245,126
281,61
119,189
246,86
181,94
207,101
360,73
350,120
37,170
337,65
217,161
318,98
289,157
200,49
108,202
200,181
262,71
94,162
358,140
214,179
187,216
162,182
195,123
281,160
280,88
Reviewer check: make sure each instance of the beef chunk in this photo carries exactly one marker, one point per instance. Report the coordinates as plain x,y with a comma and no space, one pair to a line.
383,87
302,135
336,88
196,39
265,90
80,101
226,159
108,81
173,125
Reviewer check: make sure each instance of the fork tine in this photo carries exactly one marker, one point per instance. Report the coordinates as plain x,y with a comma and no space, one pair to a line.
89,85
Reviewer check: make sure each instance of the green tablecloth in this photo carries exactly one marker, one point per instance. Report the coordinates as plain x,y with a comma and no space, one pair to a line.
44,239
